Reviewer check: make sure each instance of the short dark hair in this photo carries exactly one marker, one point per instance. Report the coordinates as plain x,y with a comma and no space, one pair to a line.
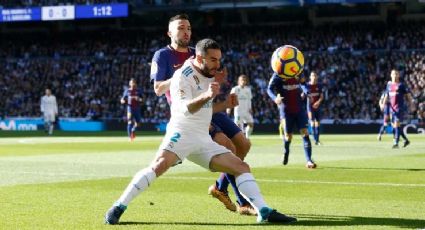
179,17
207,43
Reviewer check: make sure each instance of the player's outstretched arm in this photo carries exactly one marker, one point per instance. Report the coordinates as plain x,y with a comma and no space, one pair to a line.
161,87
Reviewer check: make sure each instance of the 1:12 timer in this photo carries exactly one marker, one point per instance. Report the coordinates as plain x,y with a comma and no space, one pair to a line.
102,11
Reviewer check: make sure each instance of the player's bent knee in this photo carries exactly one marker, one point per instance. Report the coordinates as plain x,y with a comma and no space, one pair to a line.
243,145
163,162
241,168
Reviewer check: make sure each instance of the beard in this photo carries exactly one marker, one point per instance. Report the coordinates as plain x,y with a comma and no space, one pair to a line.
182,43
206,72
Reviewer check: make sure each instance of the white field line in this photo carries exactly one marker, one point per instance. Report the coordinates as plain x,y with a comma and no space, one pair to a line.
86,176
308,182
55,140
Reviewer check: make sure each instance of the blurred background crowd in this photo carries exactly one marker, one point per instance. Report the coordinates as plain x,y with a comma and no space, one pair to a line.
88,71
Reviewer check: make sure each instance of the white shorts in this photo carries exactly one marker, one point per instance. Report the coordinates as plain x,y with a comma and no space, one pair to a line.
49,117
244,118
198,148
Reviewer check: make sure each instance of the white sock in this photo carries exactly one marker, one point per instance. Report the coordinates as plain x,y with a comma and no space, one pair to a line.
51,128
248,131
138,184
250,191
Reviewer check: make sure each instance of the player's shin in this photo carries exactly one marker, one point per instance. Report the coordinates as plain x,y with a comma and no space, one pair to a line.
307,147
239,197
396,135
51,126
138,184
249,189
316,138
222,182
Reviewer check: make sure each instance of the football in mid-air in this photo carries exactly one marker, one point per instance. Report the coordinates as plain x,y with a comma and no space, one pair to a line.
287,62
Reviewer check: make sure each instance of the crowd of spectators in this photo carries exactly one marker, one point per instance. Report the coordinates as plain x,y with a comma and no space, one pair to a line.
89,74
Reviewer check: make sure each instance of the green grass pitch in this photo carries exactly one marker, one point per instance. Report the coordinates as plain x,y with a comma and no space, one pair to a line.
70,182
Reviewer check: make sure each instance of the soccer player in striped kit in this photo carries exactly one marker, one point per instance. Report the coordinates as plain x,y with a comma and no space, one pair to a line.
132,97
314,100
286,93
396,92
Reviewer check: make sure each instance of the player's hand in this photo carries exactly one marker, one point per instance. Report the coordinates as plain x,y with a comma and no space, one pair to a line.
232,101
213,89
278,99
221,76
122,101
316,105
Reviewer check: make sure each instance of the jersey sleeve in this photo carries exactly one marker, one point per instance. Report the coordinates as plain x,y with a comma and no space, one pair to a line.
233,90
159,67
271,87
125,95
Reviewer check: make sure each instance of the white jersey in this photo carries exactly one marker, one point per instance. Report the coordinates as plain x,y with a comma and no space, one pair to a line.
186,84
244,97
48,105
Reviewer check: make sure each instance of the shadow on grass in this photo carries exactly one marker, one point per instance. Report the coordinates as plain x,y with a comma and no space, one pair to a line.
329,220
185,223
388,169
314,220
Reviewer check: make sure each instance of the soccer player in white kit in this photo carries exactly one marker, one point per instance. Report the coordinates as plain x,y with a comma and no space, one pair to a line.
192,90
49,108
243,112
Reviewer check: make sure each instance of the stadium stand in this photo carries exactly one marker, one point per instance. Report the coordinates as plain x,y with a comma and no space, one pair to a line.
87,72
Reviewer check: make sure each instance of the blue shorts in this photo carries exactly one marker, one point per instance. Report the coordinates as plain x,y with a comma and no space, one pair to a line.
291,119
222,121
315,115
134,115
214,129
397,116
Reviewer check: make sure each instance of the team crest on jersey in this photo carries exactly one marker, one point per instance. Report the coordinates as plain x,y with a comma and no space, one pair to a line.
154,67
182,94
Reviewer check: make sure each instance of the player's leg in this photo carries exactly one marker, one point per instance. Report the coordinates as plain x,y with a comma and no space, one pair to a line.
46,122
219,189
287,124
242,146
136,120
140,182
400,130
247,186
311,121
383,127
51,120
249,120
302,122
316,118
129,124
173,149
